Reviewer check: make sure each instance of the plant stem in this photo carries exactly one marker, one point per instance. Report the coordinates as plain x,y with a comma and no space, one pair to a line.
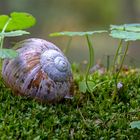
100,84
116,55
84,121
119,56
2,40
3,30
123,58
108,62
91,60
68,46
121,65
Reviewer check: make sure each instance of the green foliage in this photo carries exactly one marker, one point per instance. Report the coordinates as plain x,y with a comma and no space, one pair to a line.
91,85
127,27
18,21
83,86
125,35
12,26
135,124
126,32
76,33
14,33
8,53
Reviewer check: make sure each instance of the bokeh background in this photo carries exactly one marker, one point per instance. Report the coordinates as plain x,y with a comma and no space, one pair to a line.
79,15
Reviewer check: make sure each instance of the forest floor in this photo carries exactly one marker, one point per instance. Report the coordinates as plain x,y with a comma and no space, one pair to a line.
79,118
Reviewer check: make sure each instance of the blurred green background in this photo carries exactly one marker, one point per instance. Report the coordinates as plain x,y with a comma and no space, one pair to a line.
79,15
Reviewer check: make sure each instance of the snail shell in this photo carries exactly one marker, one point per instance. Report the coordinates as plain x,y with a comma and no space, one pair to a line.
40,71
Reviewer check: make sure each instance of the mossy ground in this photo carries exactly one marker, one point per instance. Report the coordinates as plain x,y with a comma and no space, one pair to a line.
79,118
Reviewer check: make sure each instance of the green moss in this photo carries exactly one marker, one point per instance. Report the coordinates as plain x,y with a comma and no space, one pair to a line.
79,118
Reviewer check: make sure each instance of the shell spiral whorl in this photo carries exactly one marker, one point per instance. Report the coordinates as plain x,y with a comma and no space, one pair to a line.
56,65
40,71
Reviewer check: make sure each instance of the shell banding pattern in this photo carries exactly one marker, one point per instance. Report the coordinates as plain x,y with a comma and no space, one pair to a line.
40,71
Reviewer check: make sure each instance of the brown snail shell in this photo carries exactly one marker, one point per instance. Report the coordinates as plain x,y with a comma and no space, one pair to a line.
40,71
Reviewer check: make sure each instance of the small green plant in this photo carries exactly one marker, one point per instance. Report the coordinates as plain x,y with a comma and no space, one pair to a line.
127,33
90,47
135,124
11,26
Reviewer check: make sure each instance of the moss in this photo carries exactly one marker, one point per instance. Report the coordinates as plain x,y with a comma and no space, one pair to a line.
79,118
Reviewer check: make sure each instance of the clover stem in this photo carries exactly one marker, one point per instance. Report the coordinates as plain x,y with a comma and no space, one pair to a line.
108,62
68,46
121,65
91,60
123,58
3,30
117,53
2,39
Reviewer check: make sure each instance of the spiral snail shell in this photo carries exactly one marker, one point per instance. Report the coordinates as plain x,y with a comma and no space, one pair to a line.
40,71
